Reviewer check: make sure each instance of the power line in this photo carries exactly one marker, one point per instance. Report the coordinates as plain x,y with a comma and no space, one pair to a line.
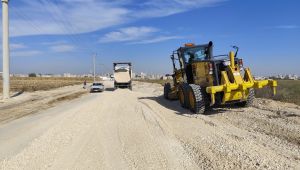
25,18
67,26
30,21
73,27
59,22
105,67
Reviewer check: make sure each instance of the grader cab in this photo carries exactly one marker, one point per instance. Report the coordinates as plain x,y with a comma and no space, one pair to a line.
201,80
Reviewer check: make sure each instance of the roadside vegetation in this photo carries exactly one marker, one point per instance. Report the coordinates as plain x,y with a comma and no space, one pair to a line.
42,83
287,90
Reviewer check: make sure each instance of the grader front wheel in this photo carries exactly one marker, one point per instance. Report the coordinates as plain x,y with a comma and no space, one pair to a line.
197,102
250,99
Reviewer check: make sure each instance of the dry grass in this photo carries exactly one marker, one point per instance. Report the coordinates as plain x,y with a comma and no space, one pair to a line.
40,83
287,91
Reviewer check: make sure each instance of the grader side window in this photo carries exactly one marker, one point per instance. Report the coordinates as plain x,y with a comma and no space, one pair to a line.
177,62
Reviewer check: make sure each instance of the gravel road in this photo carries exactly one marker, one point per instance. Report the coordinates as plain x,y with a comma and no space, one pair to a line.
139,129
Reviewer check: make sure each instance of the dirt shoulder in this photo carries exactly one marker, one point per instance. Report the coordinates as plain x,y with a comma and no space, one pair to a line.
27,103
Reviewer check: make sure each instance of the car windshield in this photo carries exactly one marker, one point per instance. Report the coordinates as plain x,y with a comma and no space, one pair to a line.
97,84
195,54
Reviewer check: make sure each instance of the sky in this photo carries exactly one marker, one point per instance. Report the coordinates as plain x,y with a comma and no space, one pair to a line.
60,36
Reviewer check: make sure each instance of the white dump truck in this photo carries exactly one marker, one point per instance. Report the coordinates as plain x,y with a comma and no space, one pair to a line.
122,75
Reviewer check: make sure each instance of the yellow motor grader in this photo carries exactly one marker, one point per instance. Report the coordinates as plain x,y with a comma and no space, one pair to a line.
201,80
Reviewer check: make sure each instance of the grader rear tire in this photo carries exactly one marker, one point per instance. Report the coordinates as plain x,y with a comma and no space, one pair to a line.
182,95
197,103
167,90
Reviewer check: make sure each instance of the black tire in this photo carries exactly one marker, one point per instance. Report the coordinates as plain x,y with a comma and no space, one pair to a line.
249,101
130,86
167,90
182,95
197,103
115,86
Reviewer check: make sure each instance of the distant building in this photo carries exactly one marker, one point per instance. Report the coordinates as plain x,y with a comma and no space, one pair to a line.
49,75
166,78
286,77
143,75
69,75
58,75
105,78
87,75
291,77
20,75
260,78
133,75
280,76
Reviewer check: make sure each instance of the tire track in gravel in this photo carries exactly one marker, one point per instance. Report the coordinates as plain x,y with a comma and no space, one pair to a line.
221,143
167,151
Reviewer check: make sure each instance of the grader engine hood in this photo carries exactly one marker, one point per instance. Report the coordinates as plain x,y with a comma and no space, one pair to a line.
235,86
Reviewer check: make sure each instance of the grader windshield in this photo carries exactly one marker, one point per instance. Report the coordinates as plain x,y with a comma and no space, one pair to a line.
196,54
192,52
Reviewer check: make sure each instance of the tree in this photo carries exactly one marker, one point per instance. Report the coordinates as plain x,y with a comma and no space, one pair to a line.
31,75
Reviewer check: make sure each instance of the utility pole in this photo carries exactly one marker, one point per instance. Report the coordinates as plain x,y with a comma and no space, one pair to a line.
94,61
5,49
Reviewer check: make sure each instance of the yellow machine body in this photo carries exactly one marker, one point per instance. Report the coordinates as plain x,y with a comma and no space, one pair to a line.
178,76
235,86
201,74
173,94
203,80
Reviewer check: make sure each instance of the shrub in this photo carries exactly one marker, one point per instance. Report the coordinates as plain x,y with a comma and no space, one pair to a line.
31,75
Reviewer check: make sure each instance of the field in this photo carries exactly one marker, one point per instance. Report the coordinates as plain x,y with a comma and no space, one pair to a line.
287,90
40,83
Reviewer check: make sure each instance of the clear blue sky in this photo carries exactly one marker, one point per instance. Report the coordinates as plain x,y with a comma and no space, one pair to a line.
57,36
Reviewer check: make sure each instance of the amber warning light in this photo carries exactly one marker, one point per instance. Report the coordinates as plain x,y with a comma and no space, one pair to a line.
189,45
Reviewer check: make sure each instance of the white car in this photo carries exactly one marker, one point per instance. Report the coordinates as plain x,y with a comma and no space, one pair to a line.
97,87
